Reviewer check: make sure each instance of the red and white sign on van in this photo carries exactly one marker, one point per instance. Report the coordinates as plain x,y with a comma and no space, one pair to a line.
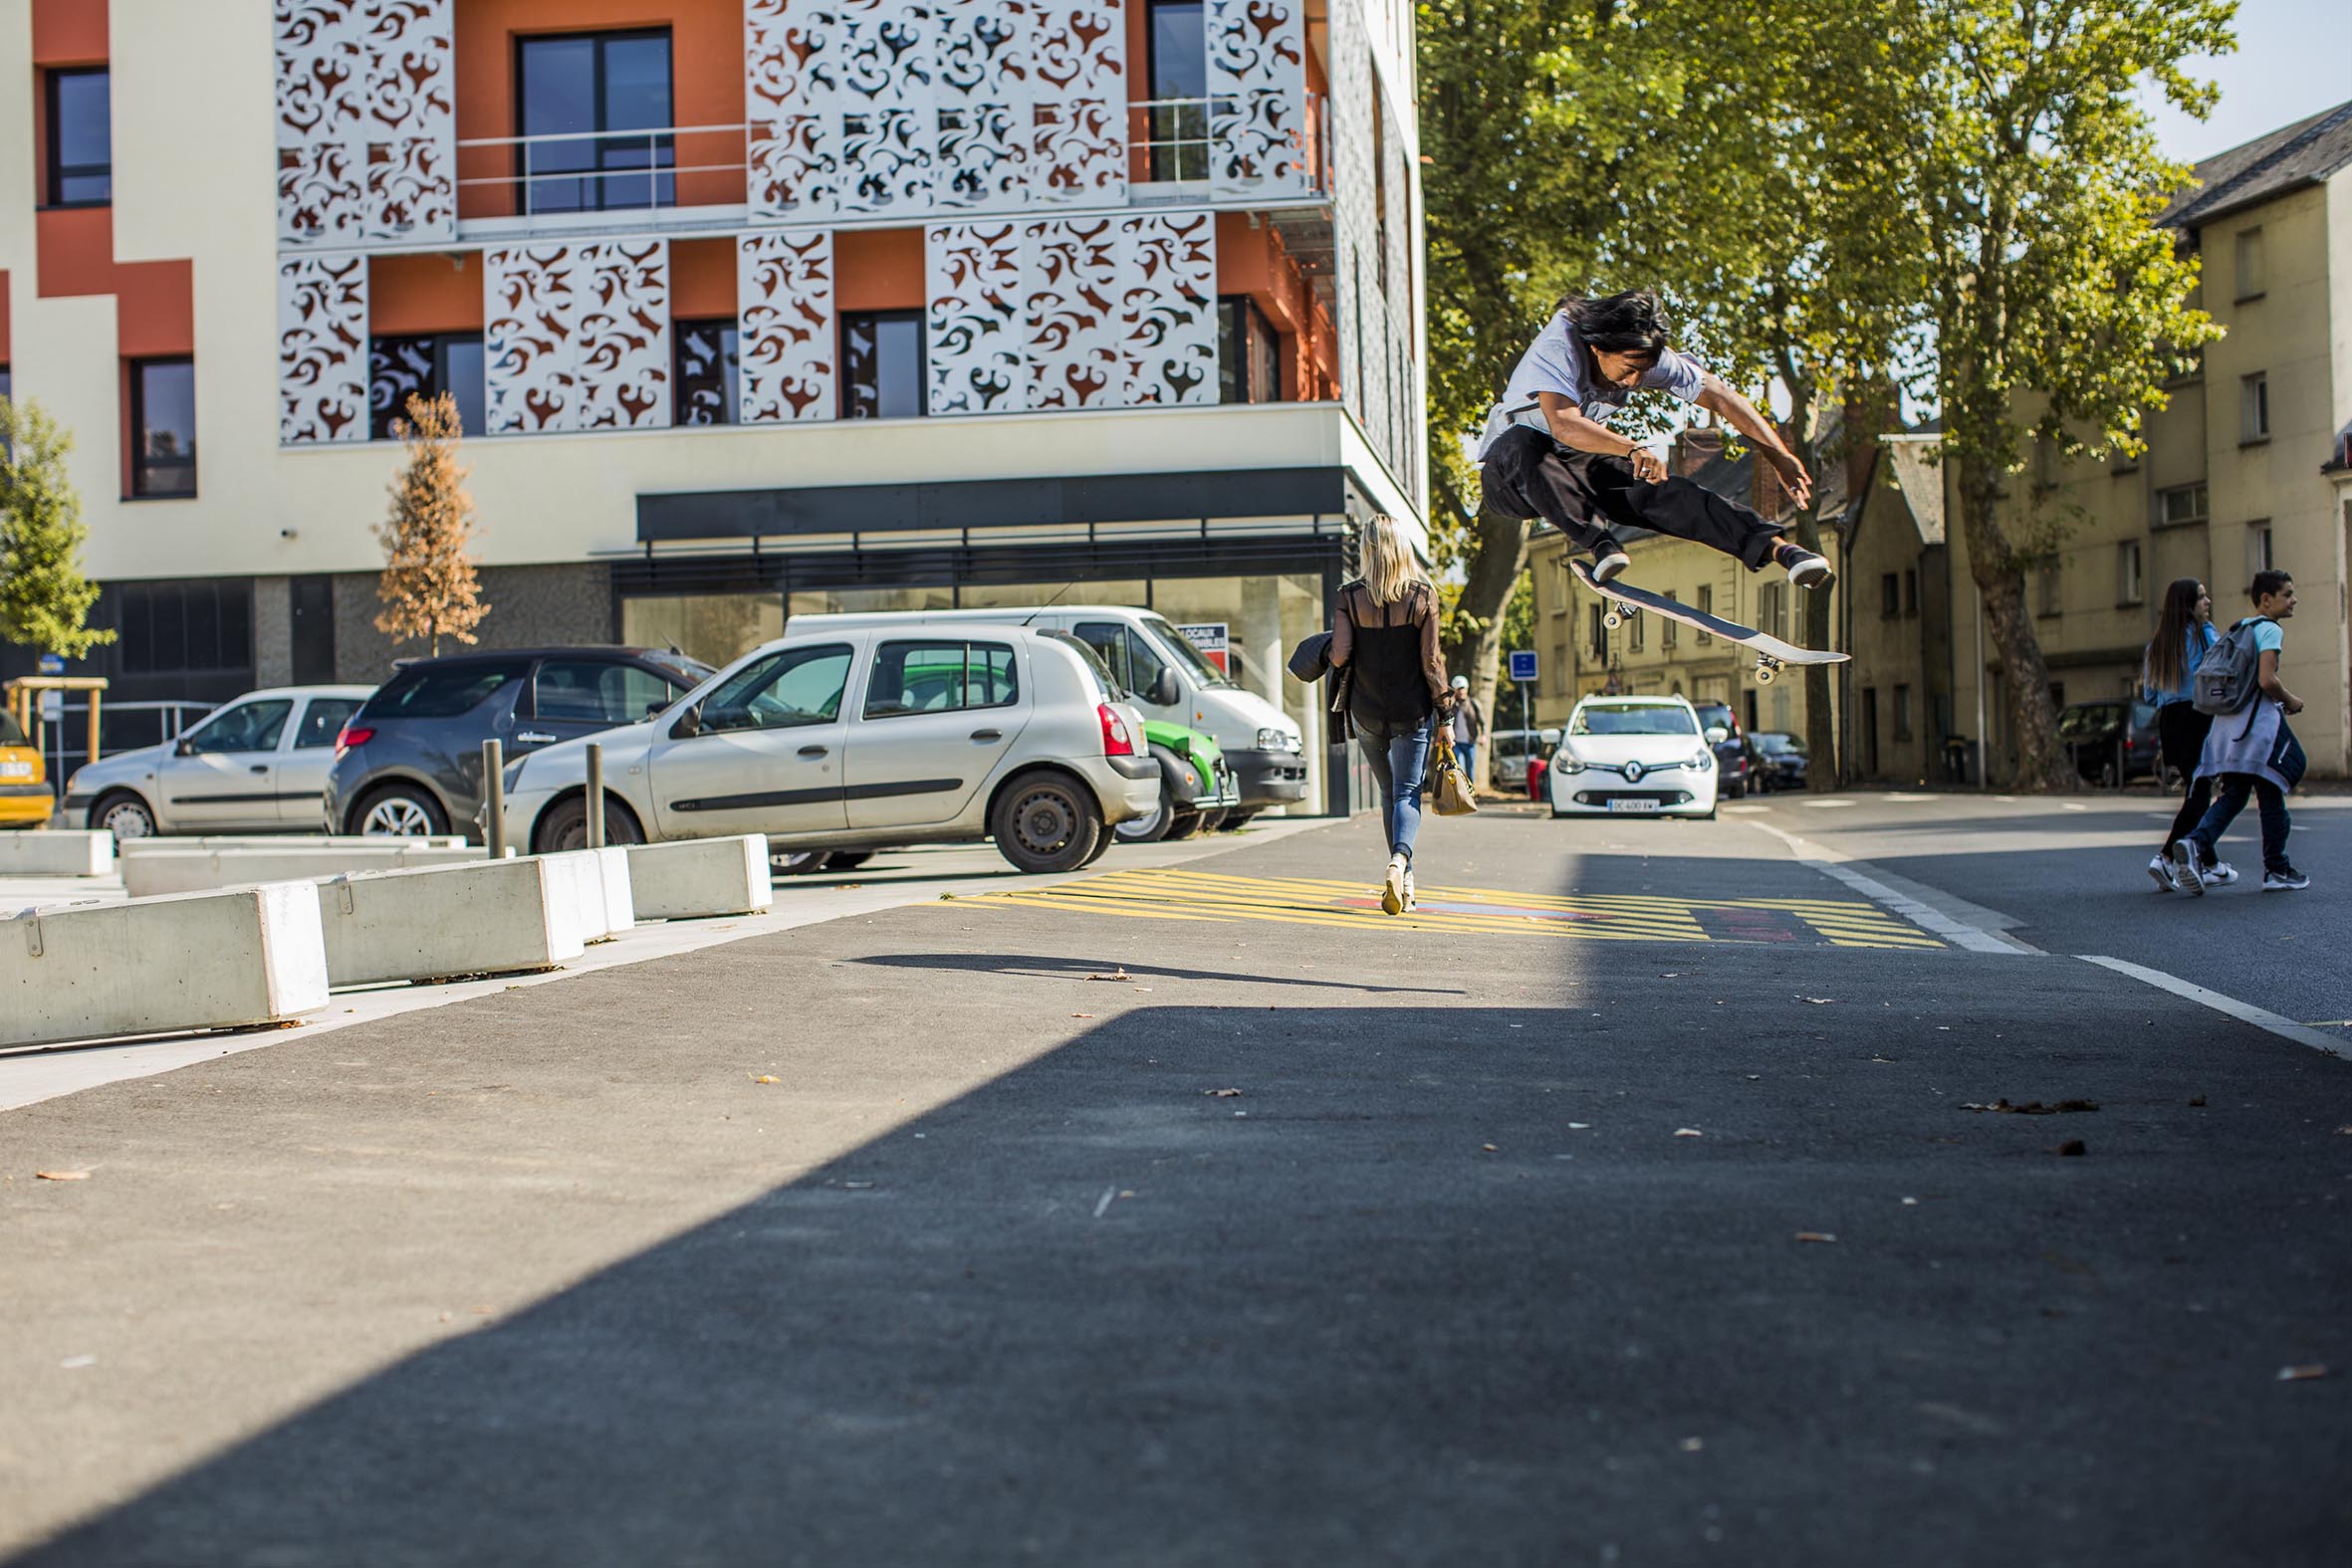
1209,638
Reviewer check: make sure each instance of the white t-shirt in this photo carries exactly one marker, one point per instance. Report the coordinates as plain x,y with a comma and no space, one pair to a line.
1555,362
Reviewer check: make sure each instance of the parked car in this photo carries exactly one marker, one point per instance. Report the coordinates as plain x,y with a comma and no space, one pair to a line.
411,760
1783,757
1639,754
25,796
257,764
1172,681
1198,791
2112,742
844,738
1513,749
1734,769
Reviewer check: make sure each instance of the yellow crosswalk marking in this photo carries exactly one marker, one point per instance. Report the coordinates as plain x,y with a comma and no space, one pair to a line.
1183,893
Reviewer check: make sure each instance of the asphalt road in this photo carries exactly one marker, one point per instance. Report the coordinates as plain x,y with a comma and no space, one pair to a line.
1499,1253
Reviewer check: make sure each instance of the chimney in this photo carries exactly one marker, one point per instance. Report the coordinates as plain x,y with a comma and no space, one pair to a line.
1763,487
1696,446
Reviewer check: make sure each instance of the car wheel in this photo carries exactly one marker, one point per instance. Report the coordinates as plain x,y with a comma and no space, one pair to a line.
124,815
399,811
1153,825
564,826
1046,823
1102,845
799,862
847,859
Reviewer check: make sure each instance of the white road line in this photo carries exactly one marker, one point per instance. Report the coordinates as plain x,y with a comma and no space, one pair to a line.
1974,939
2245,1011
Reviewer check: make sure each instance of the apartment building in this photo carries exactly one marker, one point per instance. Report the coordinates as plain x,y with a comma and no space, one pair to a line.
750,308
2247,467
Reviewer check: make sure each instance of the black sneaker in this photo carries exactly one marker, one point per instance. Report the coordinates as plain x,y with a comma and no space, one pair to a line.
1608,559
2286,880
1805,568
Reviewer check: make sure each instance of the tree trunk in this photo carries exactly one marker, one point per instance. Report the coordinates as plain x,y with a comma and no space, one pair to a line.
1822,772
1493,564
2041,762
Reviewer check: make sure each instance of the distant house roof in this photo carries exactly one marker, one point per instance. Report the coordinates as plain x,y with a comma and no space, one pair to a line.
1911,459
2303,153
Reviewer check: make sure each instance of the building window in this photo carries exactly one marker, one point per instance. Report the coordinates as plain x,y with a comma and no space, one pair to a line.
2181,506
1596,634
1179,73
1767,607
2250,279
707,391
177,628
163,426
883,366
81,139
1249,363
604,94
2258,549
1706,606
1902,713
2045,590
1668,627
1634,632
1910,590
399,368
2253,408
1890,596
2128,588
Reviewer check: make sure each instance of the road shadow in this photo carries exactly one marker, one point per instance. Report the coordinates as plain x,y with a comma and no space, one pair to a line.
1436,1286
1060,968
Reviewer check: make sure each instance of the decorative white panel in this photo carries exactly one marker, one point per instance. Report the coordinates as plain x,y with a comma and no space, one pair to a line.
322,349
973,331
578,337
621,346
1257,98
1071,312
886,161
1354,225
1168,309
796,166
367,120
1079,108
784,291
983,158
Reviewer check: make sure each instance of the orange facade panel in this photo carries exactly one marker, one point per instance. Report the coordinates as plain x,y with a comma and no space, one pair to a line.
706,89
878,270
424,292
69,32
155,302
3,316
702,278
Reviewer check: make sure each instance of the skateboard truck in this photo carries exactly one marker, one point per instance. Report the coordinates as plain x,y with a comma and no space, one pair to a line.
1618,613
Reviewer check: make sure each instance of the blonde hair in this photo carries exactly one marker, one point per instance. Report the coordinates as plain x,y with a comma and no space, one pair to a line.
1391,570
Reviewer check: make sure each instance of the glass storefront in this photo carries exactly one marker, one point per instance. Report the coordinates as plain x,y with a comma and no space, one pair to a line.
713,627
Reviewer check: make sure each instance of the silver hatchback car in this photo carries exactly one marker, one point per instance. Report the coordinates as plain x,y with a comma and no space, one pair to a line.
257,764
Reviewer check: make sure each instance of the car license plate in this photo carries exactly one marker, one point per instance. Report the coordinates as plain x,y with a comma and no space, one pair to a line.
1633,806
16,769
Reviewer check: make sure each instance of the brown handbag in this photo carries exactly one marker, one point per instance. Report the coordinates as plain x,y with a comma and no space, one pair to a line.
1455,796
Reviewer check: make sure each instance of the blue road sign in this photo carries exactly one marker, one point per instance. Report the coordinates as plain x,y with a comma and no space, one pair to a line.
1522,664
53,664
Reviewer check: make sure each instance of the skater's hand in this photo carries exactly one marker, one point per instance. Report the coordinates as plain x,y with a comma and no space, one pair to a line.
1793,477
1648,466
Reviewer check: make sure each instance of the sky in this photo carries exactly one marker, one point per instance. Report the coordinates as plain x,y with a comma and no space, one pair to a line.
2288,66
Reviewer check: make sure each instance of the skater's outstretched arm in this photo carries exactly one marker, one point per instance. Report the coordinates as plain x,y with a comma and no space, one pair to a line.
1571,428
1718,398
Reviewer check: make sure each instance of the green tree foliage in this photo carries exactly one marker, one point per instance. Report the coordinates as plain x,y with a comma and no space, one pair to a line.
45,601
429,586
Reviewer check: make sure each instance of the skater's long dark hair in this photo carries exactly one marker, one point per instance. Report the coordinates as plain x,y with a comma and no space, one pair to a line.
2168,650
1633,324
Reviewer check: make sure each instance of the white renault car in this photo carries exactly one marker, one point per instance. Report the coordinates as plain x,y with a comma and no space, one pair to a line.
843,739
256,766
1644,756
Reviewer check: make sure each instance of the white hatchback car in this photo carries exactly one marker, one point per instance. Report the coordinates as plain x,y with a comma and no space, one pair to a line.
846,739
1639,754
256,766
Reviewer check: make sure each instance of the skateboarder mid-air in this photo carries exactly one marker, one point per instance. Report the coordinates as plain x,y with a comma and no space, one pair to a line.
1549,451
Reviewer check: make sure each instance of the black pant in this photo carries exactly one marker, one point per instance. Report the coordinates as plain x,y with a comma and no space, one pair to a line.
1584,494
2180,731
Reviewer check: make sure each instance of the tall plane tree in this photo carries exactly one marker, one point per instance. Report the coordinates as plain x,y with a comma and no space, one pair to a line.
44,600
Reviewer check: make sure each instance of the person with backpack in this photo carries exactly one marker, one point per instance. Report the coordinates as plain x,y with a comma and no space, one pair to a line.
2168,675
2249,750
1389,686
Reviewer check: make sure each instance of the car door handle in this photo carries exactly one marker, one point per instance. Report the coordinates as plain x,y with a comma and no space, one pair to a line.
988,734
535,737
261,768
813,751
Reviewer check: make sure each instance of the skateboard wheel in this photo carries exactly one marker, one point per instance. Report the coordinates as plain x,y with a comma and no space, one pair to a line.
1765,674
1612,620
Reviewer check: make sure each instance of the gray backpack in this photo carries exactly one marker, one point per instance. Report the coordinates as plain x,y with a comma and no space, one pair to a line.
2229,673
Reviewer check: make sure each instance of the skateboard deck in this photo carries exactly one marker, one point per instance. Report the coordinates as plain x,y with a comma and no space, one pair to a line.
1771,652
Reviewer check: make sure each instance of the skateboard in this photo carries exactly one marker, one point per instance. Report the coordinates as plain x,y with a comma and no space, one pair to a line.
1771,652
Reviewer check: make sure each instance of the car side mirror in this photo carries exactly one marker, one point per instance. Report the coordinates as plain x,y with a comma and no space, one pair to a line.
1717,735
689,724
184,748
1164,691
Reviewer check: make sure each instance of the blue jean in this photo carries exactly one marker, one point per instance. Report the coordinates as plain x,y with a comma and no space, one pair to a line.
1467,751
1399,759
2229,799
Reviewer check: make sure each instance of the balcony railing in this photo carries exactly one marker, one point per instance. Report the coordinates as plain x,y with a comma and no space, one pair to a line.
1171,143
592,172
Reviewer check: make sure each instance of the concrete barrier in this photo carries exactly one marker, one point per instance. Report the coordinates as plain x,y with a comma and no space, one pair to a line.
148,873
162,844
696,877
57,852
201,961
595,885
485,916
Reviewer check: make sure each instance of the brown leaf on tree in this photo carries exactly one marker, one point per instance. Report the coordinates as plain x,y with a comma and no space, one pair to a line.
429,586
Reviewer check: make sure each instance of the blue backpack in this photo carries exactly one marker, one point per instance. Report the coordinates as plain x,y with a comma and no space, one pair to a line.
2231,672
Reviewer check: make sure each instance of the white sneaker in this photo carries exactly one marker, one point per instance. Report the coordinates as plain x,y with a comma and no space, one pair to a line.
1410,906
2220,873
2159,871
2289,881
2185,874
1392,886
1609,559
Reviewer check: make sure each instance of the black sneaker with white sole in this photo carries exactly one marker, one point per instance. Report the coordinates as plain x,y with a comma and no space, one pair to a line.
1804,567
2185,876
1608,559
2289,880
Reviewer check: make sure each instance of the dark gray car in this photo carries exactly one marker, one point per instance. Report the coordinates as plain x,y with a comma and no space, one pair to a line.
411,760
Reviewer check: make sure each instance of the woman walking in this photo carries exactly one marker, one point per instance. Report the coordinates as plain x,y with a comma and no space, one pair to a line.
2168,678
1385,660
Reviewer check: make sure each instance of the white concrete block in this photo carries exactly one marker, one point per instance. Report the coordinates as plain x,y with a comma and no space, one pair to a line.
61,852
215,960
147,873
620,904
167,844
696,877
576,887
485,916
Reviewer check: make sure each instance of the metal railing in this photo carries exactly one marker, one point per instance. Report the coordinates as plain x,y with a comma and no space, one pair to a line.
596,171
148,724
1179,147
